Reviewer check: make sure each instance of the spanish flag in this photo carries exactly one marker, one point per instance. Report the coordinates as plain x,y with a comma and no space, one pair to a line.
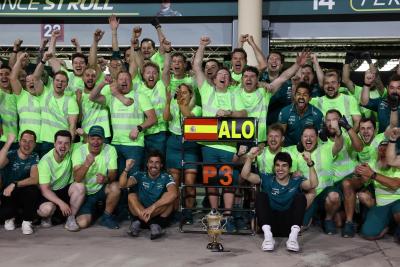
200,129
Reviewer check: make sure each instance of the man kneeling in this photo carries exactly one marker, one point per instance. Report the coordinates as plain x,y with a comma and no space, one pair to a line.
61,197
151,195
280,206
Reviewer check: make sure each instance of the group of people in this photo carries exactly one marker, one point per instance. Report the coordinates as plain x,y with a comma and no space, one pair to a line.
76,142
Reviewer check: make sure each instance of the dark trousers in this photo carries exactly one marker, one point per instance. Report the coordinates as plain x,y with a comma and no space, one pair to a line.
280,221
23,199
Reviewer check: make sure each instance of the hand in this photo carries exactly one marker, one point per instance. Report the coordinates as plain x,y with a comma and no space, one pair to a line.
89,160
242,150
134,134
55,34
250,40
98,35
114,22
364,170
301,58
350,56
146,213
47,56
65,209
335,125
394,133
129,163
108,80
314,58
155,22
344,123
75,42
243,38
205,40
18,43
137,31
307,157
8,190
80,131
100,178
254,152
23,56
11,138
220,113
367,56
393,101
166,45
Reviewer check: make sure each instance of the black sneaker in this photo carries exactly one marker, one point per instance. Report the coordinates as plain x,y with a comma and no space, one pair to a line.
348,229
134,228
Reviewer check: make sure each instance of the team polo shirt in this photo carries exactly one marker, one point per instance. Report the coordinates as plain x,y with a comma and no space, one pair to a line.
158,99
94,114
237,77
256,104
323,160
28,107
55,112
158,59
58,175
150,189
347,105
125,118
212,101
381,106
9,114
280,196
103,163
174,125
175,82
383,194
265,161
295,124
17,169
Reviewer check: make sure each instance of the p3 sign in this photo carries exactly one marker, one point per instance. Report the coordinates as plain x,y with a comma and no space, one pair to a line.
218,175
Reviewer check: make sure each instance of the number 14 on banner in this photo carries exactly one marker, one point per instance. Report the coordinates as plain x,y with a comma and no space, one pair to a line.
324,3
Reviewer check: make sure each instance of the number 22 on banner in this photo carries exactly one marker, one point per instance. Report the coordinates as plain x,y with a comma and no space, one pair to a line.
322,3
48,28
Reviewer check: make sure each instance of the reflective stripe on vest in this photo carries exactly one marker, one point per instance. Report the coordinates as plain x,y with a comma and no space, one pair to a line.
64,176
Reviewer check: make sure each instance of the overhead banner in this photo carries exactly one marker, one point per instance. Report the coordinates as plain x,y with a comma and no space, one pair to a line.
220,129
222,8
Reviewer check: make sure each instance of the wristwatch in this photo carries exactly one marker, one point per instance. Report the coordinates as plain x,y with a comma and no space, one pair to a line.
139,128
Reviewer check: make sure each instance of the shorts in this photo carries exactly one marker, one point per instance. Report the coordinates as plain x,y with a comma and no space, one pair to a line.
61,194
212,155
156,141
89,206
378,218
174,153
130,152
318,204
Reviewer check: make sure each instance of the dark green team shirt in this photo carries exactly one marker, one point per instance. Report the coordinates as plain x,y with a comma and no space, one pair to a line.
18,169
150,190
381,106
295,124
280,196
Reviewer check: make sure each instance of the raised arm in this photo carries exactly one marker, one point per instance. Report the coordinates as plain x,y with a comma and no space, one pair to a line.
134,56
92,60
346,72
124,181
246,170
356,142
75,43
37,74
198,61
4,150
14,81
42,49
301,59
160,35
165,76
14,55
261,60
318,70
312,181
114,23
339,141
365,94
54,62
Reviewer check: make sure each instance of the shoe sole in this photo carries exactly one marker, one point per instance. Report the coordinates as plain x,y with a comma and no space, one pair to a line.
292,249
72,230
153,237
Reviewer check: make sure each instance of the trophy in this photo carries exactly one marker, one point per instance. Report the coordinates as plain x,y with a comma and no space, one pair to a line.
212,223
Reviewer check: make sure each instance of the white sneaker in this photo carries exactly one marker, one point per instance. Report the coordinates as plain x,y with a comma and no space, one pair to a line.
27,228
9,224
268,244
71,224
46,222
292,245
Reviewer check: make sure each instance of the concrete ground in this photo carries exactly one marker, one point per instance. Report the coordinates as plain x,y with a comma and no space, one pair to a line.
98,246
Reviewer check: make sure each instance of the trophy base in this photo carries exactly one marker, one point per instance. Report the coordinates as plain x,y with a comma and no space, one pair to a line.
215,247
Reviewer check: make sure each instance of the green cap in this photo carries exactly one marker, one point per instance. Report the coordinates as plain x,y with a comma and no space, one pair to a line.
96,131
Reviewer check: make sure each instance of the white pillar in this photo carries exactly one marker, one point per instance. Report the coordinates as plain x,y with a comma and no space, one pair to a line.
250,22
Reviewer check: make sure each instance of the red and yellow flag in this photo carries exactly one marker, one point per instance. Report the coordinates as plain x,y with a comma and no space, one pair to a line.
200,129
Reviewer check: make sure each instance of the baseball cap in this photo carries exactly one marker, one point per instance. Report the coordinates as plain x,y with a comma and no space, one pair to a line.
96,131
